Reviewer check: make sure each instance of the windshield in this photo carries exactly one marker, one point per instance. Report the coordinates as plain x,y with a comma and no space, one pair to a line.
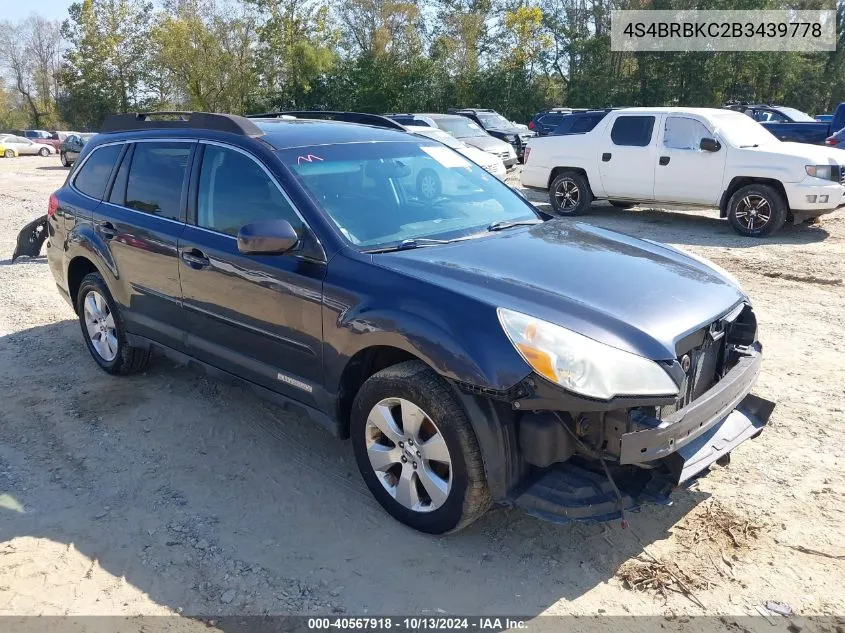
796,115
494,120
742,131
460,127
381,194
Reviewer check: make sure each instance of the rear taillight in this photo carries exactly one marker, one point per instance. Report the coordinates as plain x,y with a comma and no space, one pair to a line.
531,125
526,154
53,206
831,141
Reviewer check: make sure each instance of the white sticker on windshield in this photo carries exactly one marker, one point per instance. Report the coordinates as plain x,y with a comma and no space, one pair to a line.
446,156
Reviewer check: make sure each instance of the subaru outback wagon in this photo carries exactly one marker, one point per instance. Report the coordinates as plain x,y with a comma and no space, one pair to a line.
298,257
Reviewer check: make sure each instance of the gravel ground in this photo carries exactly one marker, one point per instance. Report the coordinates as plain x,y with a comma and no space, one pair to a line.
169,493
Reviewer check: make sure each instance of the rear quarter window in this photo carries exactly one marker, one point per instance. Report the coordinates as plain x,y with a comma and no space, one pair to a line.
94,174
634,131
156,178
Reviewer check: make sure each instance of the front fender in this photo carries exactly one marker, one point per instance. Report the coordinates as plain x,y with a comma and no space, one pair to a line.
492,364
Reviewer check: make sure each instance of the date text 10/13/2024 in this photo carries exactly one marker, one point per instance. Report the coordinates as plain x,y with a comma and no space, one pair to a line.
416,623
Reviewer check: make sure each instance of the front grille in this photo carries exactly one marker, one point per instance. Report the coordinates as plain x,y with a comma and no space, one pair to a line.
704,371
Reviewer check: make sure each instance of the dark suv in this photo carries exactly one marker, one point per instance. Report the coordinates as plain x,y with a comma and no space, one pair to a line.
496,125
297,257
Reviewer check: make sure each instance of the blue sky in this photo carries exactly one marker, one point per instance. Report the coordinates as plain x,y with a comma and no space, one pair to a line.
15,10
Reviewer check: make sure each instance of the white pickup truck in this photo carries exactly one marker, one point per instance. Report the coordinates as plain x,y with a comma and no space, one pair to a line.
691,156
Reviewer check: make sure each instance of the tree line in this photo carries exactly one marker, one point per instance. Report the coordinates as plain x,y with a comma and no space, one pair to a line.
243,56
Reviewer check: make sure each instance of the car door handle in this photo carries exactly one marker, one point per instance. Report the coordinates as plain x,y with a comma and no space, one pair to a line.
194,258
664,160
606,156
107,230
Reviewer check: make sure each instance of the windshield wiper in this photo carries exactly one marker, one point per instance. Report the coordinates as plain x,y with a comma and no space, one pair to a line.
501,225
419,242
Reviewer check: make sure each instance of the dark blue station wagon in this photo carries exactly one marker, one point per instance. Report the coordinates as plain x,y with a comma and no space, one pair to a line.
472,349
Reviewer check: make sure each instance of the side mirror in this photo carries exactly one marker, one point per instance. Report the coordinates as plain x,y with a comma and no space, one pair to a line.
710,144
273,237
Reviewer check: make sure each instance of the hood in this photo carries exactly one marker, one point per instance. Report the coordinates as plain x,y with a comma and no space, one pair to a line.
479,156
486,143
813,154
634,295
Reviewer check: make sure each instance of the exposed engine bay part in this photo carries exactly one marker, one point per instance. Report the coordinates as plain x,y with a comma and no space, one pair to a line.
31,238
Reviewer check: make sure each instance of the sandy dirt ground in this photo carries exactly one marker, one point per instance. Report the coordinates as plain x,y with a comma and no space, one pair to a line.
170,493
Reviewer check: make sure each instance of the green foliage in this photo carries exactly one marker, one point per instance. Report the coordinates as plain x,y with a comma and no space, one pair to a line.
517,56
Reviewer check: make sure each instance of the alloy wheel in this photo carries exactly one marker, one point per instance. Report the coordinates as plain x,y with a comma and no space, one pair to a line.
99,321
408,454
567,194
754,212
428,187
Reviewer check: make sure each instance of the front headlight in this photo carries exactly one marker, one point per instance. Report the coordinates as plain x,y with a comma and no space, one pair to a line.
510,138
581,364
825,172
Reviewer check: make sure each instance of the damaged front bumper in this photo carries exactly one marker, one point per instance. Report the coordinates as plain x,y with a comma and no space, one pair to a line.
647,459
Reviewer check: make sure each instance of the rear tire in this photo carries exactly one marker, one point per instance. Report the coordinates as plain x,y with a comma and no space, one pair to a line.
622,205
44,152
757,210
9,153
427,444
570,193
63,158
104,331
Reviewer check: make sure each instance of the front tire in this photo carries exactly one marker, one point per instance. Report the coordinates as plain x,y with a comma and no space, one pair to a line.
63,158
9,153
44,152
416,449
104,331
570,193
757,210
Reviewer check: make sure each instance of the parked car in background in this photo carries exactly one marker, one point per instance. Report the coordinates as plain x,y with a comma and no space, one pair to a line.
7,151
580,122
71,147
411,119
296,258
546,121
701,156
789,124
40,136
498,126
25,146
836,140
490,162
471,133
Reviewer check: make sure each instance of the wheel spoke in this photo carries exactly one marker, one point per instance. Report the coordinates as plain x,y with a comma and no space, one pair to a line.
412,418
110,321
435,449
100,302
111,343
435,486
382,418
91,309
406,488
383,457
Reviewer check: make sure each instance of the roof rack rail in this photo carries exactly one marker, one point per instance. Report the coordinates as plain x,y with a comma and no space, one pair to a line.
363,118
180,120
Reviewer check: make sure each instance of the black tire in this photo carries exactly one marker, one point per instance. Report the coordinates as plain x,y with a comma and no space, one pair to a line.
570,193
468,497
622,205
429,186
44,152
9,153
745,218
128,360
63,158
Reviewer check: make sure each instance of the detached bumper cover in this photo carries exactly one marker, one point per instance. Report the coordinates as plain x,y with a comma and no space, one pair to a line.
699,417
31,239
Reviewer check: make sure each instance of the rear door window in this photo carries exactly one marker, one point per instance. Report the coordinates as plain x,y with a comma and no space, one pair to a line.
157,177
634,131
94,174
